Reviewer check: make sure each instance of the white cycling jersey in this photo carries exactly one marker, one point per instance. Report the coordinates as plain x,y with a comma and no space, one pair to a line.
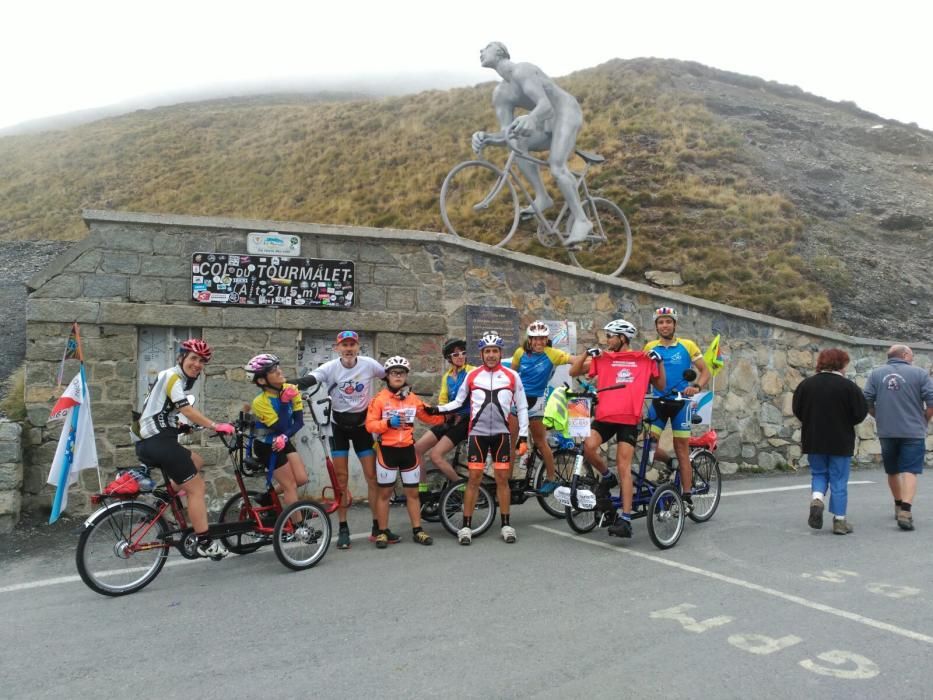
351,389
491,392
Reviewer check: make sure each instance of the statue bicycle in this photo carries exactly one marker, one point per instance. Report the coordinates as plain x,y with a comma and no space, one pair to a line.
480,201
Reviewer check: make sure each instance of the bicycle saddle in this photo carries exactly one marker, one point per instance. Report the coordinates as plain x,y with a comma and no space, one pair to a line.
590,157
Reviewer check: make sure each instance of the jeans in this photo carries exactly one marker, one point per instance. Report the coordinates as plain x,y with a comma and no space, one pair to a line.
831,470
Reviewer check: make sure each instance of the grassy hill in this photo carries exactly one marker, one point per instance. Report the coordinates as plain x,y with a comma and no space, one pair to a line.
683,142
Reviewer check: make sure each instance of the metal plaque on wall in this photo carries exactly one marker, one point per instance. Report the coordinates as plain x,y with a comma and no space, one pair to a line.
273,281
501,319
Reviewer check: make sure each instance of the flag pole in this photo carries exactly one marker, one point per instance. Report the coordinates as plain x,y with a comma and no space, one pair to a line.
86,397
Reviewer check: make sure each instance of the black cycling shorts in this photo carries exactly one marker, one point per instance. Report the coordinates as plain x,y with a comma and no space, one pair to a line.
264,452
500,446
620,431
455,433
164,451
398,457
350,428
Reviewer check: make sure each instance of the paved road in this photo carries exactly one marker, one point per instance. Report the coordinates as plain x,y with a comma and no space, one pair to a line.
750,604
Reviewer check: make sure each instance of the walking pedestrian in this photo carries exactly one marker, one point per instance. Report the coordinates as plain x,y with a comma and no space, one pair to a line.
829,406
900,397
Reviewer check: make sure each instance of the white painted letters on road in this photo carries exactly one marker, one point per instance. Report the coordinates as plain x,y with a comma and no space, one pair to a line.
690,624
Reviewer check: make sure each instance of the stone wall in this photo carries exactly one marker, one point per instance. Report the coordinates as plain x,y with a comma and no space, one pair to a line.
412,289
11,474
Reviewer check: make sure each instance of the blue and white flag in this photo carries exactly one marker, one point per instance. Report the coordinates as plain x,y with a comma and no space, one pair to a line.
76,447
702,403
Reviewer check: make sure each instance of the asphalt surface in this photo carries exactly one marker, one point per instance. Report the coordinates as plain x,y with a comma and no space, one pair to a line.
751,604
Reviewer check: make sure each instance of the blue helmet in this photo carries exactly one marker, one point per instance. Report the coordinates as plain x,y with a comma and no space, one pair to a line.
490,339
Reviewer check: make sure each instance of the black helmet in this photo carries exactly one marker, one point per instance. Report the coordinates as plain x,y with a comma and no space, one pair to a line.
452,345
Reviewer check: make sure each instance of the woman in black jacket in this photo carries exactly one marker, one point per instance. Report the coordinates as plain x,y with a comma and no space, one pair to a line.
829,407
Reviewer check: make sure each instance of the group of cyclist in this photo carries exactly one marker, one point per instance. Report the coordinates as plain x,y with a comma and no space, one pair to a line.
492,406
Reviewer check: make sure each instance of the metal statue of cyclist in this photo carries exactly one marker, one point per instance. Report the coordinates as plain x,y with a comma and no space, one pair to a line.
553,122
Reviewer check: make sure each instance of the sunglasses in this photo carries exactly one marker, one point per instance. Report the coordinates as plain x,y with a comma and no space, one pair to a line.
459,353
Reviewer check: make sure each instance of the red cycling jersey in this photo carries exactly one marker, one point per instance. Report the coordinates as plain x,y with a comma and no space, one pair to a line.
632,368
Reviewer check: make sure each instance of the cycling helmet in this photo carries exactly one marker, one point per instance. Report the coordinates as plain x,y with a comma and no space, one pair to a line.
452,345
262,364
198,347
621,327
396,362
668,311
538,329
490,339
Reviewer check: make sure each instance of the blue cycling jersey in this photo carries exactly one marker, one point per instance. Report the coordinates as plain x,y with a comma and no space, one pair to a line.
537,368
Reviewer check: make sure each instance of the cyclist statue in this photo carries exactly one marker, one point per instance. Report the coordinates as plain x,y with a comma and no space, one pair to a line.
553,122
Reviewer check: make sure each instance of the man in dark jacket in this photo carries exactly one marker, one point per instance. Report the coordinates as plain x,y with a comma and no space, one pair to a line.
829,407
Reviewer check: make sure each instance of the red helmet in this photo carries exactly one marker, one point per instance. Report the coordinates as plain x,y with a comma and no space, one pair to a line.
198,347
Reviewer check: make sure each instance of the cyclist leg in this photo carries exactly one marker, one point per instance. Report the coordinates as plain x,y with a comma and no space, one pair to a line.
680,424
502,468
411,477
625,449
591,451
539,435
476,463
438,458
364,447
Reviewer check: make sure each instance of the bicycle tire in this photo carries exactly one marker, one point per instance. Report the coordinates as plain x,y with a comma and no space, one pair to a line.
435,483
303,546
234,510
665,516
469,185
563,472
581,520
452,506
102,547
707,486
609,247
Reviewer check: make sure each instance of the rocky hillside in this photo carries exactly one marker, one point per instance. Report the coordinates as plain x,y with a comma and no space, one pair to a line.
759,194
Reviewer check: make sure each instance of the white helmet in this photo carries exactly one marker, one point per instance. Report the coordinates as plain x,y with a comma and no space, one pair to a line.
538,329
621,327
490,339
395,362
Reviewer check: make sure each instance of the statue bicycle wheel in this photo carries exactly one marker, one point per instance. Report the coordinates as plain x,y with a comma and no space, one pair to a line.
478,202
609,246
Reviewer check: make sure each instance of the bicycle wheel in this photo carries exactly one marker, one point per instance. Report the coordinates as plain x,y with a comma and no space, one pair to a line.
451,508
303,545
707,485
563,472
609,246
478,202
583,520
665,516
123,549
235,510
432,486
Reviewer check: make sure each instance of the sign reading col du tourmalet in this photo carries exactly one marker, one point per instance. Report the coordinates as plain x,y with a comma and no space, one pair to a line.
271,280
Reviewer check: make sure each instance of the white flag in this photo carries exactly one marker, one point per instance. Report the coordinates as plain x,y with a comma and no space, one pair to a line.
703,406
76,447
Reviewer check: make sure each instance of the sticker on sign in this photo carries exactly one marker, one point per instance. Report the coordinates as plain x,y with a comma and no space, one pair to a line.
272,243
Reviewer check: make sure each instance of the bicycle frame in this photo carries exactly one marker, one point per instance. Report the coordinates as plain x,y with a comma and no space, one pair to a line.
332,503
508,172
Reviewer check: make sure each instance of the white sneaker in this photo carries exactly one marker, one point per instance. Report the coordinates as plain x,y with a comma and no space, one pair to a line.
213,550
465,535
508,534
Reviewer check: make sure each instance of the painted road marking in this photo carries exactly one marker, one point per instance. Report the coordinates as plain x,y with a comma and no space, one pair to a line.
801,487
790,598
116,572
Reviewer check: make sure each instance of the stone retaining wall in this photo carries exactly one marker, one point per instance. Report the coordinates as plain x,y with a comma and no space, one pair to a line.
412,289
11,474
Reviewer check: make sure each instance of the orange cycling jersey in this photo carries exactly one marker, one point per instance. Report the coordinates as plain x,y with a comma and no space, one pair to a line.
387,404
